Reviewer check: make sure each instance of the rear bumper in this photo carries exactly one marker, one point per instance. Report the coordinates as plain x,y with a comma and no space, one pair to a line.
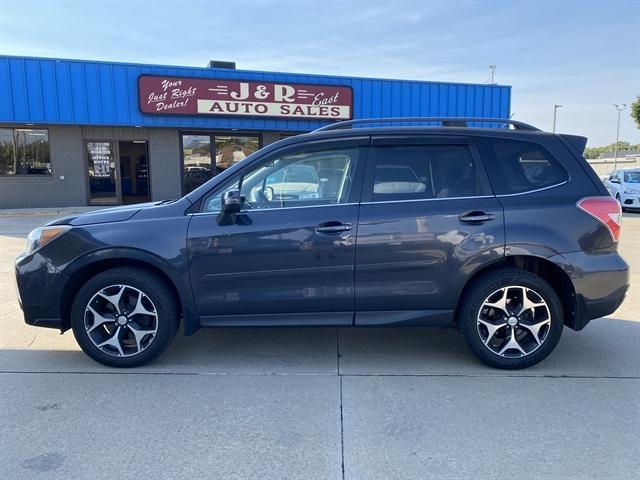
39,288
603,306
600,282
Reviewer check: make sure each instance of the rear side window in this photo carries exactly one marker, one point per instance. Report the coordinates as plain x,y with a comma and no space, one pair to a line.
515,166
425,172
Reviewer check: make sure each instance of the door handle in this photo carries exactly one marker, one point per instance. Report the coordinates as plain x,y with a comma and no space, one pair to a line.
476,217
333,227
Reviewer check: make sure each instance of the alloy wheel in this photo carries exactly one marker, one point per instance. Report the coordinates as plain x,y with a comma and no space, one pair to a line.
514,321
121,320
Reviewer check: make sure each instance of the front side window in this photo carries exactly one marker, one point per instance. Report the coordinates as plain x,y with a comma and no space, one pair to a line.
425,172
294,180
632,177
516,166
24,151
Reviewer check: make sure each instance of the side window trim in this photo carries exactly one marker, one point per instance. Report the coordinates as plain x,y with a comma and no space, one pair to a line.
362,143
408,141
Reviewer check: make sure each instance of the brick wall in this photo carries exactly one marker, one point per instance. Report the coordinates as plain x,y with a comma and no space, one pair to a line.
164,164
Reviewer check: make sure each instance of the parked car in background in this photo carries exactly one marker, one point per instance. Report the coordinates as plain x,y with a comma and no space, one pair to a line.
624,186
507,235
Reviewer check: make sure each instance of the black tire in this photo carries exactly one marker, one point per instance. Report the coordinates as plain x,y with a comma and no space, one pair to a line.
154,287
479,291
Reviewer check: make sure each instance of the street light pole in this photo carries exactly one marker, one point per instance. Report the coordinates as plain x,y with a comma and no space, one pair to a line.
619,107
493,74
555,113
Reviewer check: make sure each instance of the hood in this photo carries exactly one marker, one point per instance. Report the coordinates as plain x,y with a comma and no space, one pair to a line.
105,215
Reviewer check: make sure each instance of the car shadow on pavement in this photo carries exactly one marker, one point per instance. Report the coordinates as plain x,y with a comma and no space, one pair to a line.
606,348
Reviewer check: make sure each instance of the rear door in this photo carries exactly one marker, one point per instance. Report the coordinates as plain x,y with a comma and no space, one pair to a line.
428,219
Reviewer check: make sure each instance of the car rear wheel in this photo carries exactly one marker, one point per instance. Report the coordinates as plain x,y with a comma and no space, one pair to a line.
124,317
511,318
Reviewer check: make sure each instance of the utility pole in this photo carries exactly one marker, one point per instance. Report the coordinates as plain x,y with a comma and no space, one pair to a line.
619,107
493,74
555,114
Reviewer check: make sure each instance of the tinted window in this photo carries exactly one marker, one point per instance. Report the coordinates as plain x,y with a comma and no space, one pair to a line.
515,166
24,151
300,179
425,171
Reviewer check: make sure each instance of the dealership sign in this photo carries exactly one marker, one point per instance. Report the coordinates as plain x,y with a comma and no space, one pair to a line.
196,96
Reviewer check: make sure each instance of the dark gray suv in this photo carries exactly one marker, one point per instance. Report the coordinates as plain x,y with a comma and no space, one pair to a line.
506,234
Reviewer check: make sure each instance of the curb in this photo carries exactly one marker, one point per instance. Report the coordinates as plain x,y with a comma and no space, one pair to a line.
45,212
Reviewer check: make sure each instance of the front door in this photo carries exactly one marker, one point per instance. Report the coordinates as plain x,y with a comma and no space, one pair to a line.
118,172
103,180
289,256
427,219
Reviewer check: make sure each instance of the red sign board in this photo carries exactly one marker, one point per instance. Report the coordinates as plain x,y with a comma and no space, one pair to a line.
197,96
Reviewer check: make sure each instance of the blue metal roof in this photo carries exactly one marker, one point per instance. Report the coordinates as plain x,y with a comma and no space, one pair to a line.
78,92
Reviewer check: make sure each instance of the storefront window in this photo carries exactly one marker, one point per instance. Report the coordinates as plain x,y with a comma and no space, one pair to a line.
24,151
197,154
231,149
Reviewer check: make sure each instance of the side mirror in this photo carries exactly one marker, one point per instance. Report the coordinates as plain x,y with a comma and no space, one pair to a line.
231,206
231,201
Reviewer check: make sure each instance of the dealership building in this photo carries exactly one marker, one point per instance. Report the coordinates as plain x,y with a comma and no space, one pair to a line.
78,133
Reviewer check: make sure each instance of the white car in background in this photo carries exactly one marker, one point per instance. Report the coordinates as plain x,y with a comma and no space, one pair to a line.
624,186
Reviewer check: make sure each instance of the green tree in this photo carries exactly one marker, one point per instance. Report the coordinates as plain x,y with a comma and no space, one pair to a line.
635,111
594,152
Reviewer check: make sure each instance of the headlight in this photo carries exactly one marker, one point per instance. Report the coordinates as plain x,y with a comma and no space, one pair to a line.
631,191
40,236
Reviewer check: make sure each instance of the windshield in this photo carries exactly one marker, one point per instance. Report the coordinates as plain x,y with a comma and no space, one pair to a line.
632,177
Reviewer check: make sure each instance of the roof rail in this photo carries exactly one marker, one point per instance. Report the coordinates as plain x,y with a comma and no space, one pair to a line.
446,122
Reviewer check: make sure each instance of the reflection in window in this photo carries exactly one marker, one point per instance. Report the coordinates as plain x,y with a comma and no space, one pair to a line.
197,156
231,150
297,180
196,151
24,151
425,171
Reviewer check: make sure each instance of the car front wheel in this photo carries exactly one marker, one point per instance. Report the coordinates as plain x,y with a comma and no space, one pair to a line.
124,317
511,318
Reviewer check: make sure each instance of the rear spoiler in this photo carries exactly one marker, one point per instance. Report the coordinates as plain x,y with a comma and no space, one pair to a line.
576,141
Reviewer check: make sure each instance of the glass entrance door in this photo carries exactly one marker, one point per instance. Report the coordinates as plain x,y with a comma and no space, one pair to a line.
118,172
103,188
134,171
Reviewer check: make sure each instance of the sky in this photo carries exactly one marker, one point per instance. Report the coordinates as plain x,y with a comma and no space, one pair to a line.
584,55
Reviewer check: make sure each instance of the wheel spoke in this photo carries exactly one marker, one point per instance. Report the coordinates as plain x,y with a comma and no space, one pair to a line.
528,304
113,299
114,341
140,308
97,319
535,329
501,304
491,329
512,344
139,335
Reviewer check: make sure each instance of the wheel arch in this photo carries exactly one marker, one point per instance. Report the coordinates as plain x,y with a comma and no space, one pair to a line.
92,264
549,271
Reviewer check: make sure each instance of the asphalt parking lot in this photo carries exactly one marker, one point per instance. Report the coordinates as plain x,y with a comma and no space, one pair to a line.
319,403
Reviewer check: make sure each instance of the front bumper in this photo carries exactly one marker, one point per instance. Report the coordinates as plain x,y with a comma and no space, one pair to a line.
39,287
630,201
600,281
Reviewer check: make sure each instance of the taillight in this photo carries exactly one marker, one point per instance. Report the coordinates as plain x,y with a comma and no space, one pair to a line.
606,210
